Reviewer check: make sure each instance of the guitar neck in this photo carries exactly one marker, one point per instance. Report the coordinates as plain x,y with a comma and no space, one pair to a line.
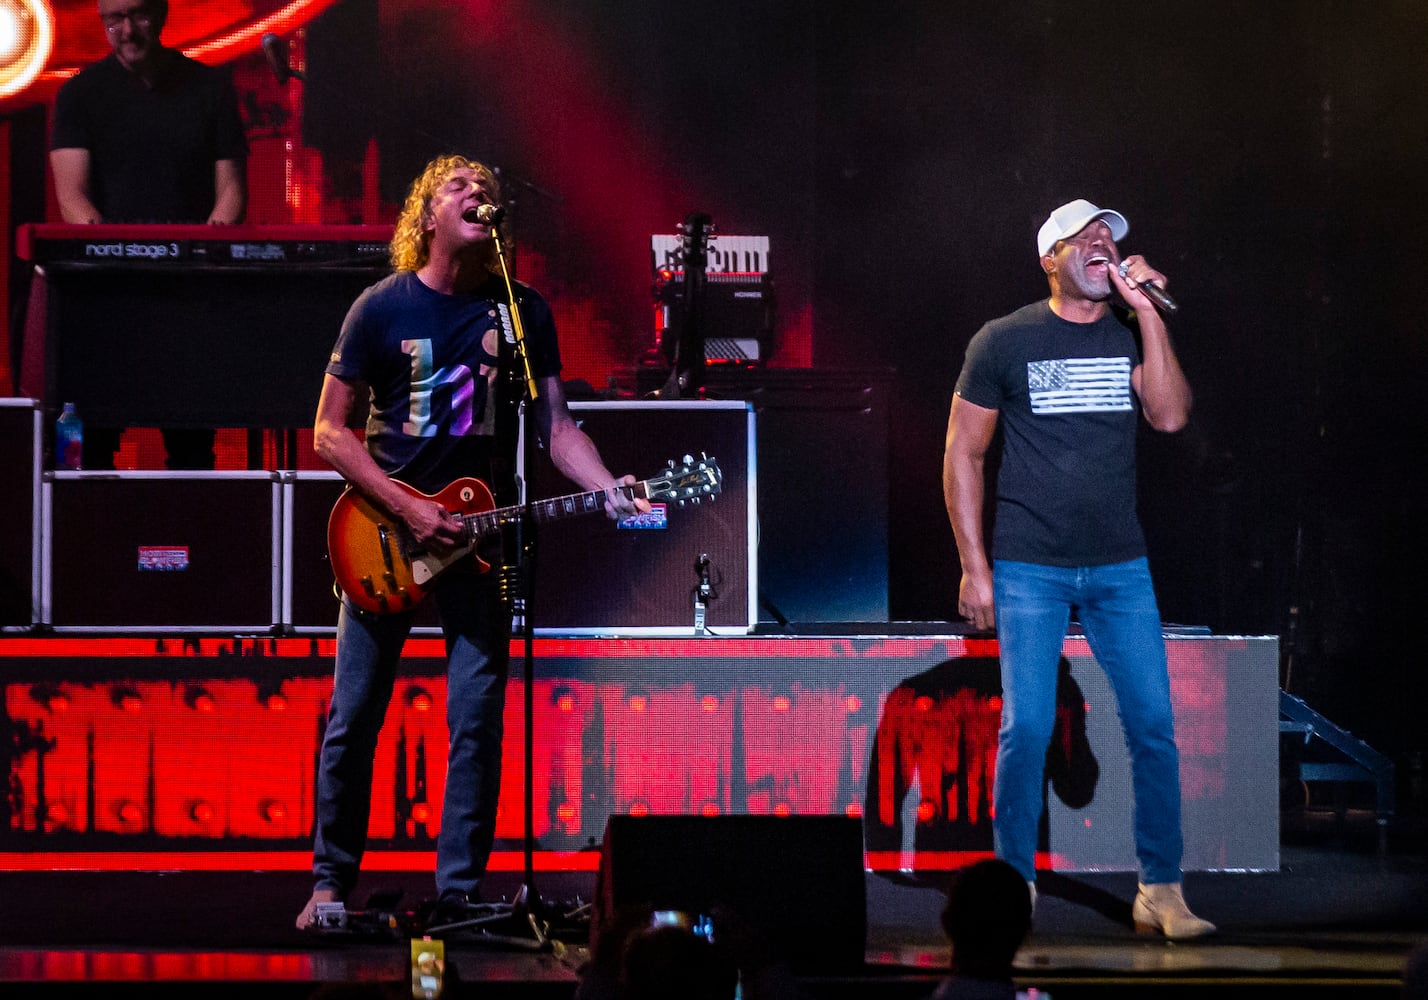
490,522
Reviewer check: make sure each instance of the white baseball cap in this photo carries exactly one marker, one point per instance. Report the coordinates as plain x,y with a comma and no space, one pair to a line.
1074,216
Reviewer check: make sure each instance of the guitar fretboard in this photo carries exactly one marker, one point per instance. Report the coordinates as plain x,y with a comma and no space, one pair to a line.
491,522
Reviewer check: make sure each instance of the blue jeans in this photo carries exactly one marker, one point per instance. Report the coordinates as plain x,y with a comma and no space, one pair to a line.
477,632
1116,607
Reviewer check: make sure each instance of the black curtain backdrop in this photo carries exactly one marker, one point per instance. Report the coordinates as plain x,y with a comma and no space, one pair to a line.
901,156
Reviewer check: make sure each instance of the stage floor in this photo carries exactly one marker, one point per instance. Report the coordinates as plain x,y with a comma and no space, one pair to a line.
1332,921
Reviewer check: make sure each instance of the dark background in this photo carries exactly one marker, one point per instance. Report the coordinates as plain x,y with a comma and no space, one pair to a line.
900,156
1269,157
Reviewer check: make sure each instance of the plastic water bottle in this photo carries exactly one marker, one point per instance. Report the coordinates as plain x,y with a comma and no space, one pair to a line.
69,439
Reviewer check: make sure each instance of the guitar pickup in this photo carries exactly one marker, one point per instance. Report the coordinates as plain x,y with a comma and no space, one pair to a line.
395,588
385,541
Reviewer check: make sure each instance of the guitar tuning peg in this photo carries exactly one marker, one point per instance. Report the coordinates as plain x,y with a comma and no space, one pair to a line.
688,459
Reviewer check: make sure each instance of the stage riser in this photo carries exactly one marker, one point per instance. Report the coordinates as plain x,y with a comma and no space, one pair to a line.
199,747
883,986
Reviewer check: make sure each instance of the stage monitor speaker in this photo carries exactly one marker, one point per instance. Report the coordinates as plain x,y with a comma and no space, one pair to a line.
594,578
135,551
796,882
20,450
310,602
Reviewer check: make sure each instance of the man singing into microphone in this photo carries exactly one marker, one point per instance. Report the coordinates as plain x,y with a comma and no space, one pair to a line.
1066,380
429,354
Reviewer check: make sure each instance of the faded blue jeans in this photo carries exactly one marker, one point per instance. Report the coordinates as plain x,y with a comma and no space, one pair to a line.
477,632
1117,609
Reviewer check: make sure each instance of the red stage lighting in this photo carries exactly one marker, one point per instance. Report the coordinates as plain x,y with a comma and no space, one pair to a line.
926,811
421,812
638,703
709,809
128,812
782,809
272,811
709,703
419,699
781,703
51,697
923,703
853,703
853,809
202,812
199,699
126,698
27,37
639,808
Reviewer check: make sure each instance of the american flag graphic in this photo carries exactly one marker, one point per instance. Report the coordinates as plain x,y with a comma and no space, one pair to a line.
1079,385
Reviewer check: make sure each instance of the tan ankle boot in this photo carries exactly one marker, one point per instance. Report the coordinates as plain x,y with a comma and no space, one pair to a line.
1161,909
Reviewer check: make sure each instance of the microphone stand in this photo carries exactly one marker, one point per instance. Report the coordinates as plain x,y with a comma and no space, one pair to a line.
527,901
517,581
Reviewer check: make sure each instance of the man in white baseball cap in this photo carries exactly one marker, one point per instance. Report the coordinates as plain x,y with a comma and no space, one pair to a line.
1074,216
1066,381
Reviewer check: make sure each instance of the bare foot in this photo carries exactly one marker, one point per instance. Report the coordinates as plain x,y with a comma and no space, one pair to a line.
308,916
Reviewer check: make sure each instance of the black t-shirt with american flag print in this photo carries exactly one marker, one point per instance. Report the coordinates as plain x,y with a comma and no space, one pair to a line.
1065,492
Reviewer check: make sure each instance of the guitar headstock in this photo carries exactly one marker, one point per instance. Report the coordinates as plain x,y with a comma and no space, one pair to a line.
689,481
696,233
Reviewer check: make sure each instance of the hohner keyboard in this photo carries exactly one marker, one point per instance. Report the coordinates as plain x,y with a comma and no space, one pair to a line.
211,246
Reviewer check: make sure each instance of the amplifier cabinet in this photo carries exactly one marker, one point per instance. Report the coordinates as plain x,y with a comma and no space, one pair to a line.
20,462
136,551
309,596
594,578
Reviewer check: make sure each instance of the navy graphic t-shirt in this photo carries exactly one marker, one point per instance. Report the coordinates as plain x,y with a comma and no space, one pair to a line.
431,361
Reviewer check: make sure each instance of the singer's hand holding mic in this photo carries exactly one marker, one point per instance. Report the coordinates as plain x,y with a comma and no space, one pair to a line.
1135,275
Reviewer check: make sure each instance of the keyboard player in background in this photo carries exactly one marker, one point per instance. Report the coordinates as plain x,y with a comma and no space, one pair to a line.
148,135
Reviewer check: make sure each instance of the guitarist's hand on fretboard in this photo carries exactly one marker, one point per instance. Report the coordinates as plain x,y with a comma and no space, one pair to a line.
620,504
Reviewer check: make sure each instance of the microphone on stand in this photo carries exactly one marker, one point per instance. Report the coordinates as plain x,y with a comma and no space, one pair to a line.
1155,293
276,51
490,215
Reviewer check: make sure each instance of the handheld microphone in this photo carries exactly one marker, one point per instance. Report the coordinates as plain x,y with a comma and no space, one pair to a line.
1155,293
276,50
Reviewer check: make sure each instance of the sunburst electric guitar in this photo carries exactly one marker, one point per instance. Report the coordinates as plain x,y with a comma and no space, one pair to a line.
381,568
